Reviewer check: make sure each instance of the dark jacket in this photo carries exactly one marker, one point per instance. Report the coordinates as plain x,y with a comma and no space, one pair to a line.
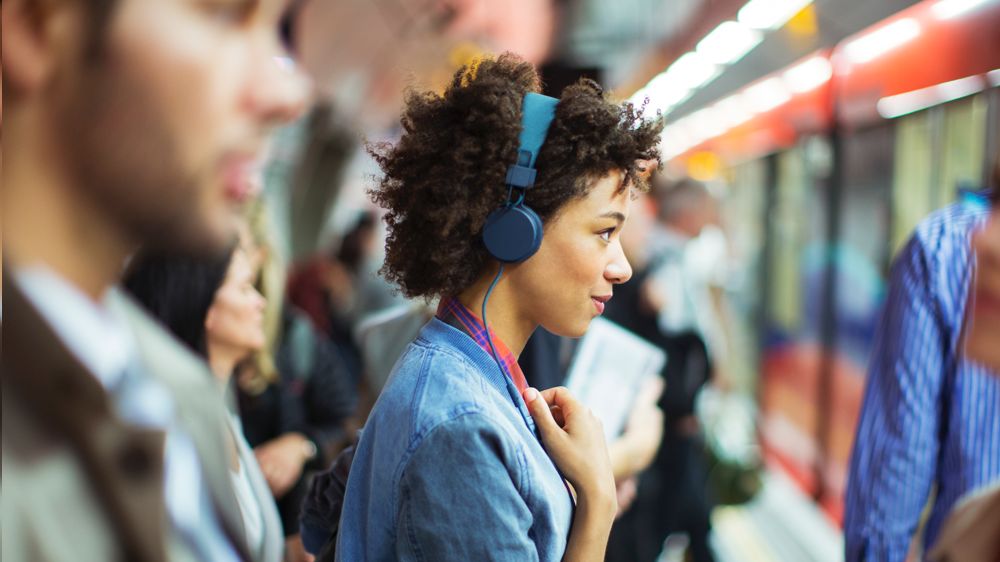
314,397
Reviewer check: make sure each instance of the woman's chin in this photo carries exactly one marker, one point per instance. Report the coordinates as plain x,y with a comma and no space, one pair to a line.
571,329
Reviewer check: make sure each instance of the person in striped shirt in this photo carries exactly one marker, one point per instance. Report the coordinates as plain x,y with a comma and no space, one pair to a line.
972,532
930,422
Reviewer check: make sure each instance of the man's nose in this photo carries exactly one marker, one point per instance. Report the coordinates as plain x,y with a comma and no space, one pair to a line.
280,91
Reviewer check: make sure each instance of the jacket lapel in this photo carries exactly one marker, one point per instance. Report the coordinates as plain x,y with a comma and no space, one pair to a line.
123,463
200,407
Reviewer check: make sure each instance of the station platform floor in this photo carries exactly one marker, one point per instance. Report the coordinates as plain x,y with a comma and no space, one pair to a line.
781,524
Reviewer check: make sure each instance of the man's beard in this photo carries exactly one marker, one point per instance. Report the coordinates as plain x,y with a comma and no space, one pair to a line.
124,157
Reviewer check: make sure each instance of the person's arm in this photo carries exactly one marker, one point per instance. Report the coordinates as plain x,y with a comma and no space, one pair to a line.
330,396
636,448
574,439
459,497
896,449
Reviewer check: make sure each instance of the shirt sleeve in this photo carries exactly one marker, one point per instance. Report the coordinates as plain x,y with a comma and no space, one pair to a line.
896,448
460,497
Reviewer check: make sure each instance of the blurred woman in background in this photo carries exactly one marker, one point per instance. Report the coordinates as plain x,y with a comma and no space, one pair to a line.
213,307
294,393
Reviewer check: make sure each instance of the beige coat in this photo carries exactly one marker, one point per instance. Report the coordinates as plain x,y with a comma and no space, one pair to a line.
79,483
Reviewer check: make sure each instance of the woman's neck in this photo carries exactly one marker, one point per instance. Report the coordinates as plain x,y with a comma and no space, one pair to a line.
503,313
222,361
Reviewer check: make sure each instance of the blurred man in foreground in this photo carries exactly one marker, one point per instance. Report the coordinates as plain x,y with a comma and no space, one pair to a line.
930,417
129,123
972,533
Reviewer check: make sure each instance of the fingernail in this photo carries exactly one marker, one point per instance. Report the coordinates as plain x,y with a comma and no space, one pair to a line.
529,395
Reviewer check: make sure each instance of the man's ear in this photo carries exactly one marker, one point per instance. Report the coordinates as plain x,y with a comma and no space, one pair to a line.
36,35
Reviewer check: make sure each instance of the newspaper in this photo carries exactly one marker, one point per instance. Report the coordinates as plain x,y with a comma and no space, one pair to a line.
608,371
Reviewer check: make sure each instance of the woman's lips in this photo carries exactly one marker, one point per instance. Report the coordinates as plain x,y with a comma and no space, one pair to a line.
599,303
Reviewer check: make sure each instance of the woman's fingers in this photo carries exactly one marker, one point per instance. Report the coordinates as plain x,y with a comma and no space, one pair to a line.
538,407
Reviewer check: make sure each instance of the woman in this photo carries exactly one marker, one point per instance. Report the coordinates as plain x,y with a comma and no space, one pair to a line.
450,465
212,306
972,532
295,393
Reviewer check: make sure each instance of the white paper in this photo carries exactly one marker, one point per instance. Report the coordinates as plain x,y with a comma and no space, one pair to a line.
608,371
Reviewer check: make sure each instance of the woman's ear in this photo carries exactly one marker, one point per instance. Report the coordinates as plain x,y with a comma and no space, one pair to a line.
210,319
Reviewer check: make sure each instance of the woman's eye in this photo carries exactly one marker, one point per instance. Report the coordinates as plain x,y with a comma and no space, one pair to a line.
606,234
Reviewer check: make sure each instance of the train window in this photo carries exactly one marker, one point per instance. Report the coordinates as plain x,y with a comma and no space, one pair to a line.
790,223
938,151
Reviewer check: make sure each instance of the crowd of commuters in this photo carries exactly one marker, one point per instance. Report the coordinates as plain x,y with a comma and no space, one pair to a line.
172,393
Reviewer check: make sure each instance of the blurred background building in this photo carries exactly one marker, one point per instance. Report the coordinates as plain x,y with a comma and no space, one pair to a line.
827,130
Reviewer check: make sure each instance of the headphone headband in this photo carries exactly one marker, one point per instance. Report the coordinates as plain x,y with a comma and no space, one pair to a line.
538,112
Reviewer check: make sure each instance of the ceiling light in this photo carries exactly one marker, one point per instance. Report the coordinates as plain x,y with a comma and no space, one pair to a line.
673,141
733,111
695,134
665,93
808,75
881,41
770,14
709,122
767,95
728,43
691,71
947,9
993,77
910,102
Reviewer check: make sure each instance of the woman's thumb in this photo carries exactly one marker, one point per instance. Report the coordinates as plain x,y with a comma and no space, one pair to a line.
539,410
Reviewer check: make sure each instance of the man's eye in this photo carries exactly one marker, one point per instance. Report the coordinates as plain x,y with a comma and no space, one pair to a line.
232,12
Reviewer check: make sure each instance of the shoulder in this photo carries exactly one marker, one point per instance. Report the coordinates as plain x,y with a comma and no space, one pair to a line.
938,252
164,356
473,448
431,383
945,232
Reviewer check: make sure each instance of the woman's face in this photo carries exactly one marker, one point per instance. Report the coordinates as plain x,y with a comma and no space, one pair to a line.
983,338
565,284
236,320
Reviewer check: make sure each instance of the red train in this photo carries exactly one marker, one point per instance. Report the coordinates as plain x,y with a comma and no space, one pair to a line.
830,163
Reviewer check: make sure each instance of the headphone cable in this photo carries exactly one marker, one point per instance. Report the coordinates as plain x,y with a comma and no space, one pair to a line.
489,335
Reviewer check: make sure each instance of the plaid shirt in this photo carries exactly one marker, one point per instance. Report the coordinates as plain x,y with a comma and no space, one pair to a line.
457,315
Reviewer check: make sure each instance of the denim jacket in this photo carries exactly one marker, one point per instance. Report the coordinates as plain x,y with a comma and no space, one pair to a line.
448,468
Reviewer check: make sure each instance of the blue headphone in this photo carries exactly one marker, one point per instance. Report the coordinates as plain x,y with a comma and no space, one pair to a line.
513,233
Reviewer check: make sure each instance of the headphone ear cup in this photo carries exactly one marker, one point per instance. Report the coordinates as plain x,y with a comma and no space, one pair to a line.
513,234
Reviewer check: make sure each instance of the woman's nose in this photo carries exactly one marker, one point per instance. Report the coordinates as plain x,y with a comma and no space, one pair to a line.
619,270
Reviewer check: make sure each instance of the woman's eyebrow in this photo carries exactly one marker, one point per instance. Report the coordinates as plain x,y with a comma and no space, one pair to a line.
613,215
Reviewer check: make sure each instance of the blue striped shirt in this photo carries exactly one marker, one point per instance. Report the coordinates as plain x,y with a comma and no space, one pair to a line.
929,417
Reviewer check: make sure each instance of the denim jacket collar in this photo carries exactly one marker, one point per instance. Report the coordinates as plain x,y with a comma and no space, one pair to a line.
483,362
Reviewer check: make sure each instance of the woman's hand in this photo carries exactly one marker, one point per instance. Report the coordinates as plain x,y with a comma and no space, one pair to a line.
281,460
574,439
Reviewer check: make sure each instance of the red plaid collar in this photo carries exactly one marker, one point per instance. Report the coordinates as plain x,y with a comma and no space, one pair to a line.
456,314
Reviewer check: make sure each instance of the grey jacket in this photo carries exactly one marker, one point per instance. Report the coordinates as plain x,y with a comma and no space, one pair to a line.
79,483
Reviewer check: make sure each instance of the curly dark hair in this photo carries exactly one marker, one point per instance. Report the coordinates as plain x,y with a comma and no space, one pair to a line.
448,170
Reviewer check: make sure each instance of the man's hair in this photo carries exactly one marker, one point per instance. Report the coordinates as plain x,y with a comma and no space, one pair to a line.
448,170
674,198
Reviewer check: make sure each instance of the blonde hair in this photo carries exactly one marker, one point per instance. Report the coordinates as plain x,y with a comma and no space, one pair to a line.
259,370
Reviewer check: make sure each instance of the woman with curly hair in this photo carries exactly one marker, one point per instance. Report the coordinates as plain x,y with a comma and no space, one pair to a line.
460,460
